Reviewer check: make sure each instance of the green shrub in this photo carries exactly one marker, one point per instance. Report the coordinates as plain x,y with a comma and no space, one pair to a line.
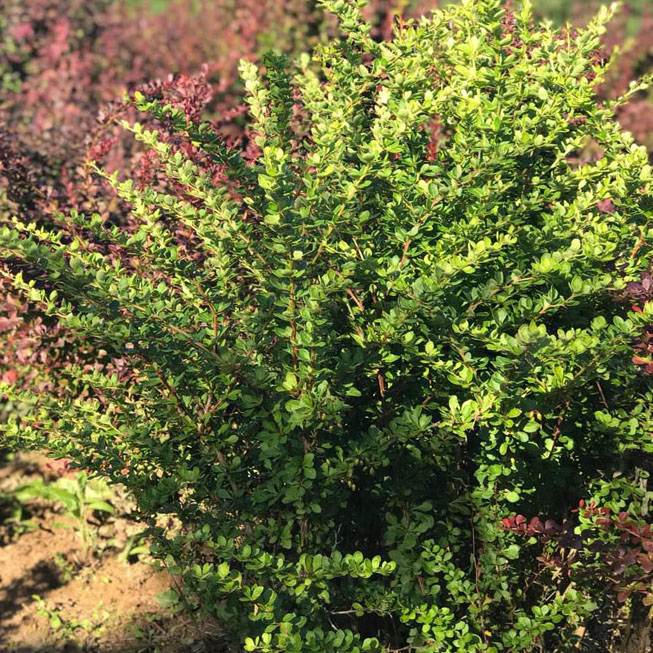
397,327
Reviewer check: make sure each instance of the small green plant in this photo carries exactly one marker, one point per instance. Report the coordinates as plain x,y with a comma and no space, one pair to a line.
135,546
67,569
355,351
67,628
79,498
168,599
14,517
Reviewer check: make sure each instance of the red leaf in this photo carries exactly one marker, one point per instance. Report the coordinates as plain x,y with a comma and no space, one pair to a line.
536,524
10,376
622,596
645,562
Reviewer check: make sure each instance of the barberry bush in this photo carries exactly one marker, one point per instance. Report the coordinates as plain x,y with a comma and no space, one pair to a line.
404,321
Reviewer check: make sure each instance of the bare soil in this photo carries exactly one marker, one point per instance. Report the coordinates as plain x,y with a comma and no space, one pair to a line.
89,598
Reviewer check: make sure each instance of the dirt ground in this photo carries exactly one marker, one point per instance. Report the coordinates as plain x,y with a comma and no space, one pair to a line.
58,595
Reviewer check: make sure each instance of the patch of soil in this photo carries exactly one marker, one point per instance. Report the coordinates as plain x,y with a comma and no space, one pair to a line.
57,595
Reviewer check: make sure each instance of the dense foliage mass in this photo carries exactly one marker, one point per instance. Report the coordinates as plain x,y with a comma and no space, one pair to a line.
353,350
64,65
61,61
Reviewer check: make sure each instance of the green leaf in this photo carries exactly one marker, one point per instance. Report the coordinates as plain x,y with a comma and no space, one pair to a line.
101,506
167,599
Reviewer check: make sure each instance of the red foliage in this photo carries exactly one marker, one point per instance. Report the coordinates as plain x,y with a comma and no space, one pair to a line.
69,58
617,547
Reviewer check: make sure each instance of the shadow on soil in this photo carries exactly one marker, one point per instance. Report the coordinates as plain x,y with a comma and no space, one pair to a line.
152,633
41,578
